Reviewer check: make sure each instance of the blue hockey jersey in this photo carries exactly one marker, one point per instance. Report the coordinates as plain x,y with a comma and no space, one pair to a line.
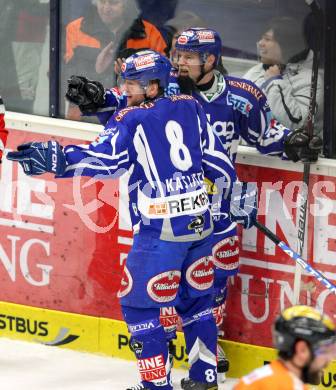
168,147
237,108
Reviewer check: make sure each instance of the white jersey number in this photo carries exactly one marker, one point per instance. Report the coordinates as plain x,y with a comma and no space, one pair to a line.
179,153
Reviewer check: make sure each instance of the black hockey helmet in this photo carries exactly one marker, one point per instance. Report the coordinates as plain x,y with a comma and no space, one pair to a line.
302,323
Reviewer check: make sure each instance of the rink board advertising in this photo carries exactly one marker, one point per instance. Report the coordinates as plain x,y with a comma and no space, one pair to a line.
111,337
64,243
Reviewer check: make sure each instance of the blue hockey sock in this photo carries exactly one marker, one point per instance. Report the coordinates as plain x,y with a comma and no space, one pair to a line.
148,341
201,339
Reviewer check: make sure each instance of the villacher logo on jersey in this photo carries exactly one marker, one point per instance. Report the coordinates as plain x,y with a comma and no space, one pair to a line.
226,253
200,274
163,287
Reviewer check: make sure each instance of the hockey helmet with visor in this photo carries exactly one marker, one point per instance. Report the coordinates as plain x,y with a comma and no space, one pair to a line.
145,66
203,41
302,322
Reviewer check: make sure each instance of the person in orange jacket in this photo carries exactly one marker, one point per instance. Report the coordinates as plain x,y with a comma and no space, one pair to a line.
108,32
306,344
3,130
93,41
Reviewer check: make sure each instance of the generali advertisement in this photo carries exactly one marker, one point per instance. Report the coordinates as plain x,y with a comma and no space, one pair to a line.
64,242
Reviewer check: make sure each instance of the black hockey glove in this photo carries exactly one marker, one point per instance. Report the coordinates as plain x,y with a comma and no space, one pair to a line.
88,95
298,146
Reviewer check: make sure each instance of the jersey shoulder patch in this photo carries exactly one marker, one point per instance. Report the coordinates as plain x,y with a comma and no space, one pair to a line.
259,373
175,98
126,111
245,86
122,113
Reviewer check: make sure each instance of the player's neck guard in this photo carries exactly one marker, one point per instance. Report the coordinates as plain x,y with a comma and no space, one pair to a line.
216,89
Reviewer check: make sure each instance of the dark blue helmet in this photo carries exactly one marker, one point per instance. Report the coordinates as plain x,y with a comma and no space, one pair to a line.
201,40
145,66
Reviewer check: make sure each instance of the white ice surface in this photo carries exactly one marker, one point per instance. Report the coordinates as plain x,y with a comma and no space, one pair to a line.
32,366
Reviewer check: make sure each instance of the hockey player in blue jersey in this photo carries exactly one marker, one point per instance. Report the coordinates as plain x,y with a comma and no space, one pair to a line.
168,146
236,108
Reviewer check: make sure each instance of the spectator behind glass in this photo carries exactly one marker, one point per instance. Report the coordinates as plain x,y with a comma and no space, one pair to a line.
8,76
95,40
22,35
157,11
104,34
284,73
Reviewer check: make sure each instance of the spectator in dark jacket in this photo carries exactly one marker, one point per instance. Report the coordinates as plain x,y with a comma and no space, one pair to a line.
95,40
108,30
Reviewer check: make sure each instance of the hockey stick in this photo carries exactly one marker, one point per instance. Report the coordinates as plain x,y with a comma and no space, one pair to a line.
304,197
296,257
